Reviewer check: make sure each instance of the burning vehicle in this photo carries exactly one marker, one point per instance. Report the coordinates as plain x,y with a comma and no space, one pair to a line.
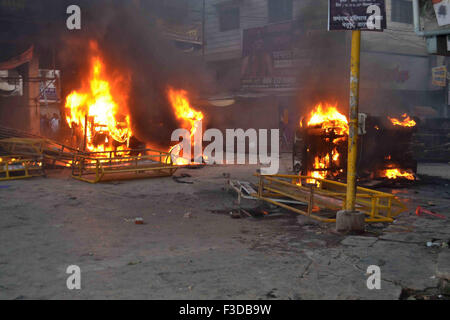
385,144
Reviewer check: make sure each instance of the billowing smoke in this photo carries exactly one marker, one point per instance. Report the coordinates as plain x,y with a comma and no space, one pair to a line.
131,44
325,76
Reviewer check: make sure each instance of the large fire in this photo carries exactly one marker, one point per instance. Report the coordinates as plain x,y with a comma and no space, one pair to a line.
190,118
99,112
406,122
327,117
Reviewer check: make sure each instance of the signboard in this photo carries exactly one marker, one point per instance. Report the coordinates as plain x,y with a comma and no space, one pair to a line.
189,34
442,10
366,15
49,88
439,76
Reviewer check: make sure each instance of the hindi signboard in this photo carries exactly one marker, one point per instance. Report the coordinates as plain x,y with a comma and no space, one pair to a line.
366,15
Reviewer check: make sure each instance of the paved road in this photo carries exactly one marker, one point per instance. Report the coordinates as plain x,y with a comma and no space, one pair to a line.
190,248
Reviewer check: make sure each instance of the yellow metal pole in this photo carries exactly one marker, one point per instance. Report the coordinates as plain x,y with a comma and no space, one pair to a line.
353,127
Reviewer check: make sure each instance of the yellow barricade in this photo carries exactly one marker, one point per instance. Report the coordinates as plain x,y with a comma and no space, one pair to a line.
18,167
128,164
329,195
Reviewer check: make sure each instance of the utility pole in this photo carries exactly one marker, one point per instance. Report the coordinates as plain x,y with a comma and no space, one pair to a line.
349,219
353,123
371,16
203,29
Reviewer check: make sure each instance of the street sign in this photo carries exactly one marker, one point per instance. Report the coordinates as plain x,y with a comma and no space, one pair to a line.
366,15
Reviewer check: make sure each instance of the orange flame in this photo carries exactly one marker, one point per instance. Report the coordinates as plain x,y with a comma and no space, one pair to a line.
327,117
96,101
190,118
406,122
397,173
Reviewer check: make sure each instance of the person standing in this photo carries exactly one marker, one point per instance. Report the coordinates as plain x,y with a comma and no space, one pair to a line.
54,125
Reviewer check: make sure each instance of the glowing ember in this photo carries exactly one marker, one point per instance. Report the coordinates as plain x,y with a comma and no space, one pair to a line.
190,118
406,122
397,173
108,122
319,163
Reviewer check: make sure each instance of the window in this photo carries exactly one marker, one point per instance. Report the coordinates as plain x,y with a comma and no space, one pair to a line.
229,18
402,11
280,10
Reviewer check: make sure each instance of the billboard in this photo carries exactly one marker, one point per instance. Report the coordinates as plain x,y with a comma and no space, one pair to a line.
268,57
367,15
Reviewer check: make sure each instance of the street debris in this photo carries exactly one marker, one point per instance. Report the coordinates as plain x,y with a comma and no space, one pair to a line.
246,190
437,244
235,215
139,221
178,179
420,211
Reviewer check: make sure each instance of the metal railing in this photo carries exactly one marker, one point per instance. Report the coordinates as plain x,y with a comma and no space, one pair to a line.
328,195
94,167
18,167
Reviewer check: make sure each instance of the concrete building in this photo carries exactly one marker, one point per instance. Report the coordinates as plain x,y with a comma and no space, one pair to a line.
27,90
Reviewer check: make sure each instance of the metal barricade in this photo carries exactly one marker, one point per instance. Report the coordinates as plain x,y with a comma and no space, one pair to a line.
326,194
95,167
18,167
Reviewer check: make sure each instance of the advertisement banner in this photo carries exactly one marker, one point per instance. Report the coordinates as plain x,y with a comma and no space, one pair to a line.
269,57
439,76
